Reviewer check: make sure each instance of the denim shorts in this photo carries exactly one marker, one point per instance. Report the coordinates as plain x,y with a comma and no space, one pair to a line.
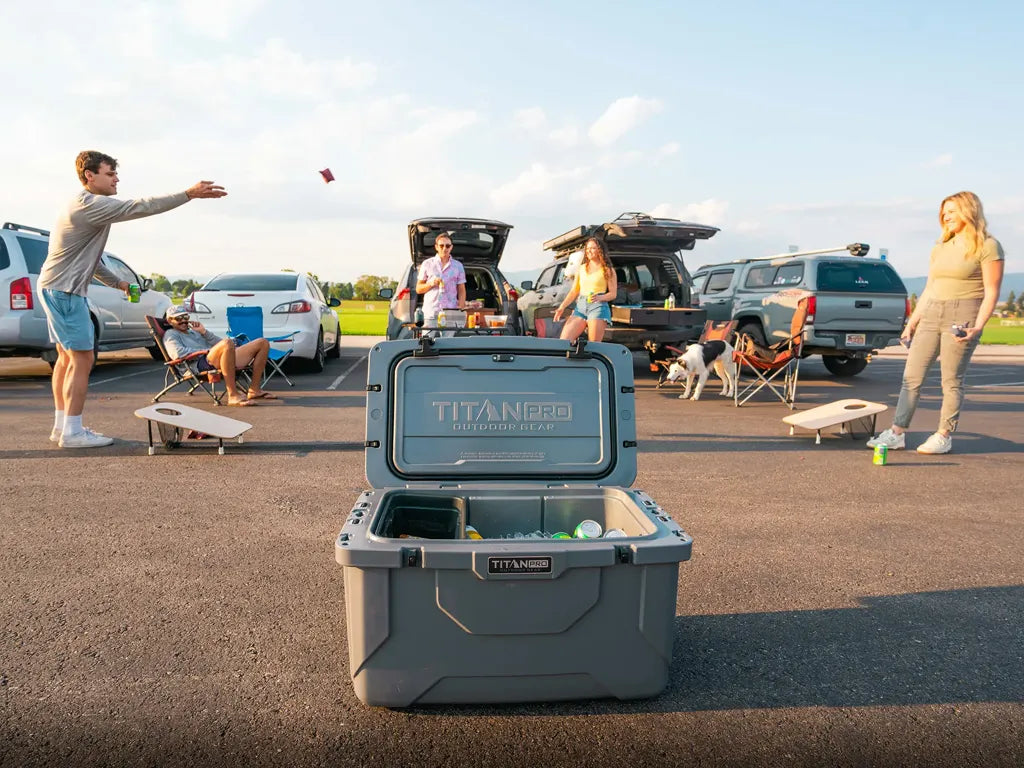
68,320
592,310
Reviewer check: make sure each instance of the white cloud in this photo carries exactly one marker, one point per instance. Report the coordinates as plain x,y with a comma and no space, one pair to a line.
595,195
538,181
531,119
217,18
621,117
566,136
709,211
941,161
669,149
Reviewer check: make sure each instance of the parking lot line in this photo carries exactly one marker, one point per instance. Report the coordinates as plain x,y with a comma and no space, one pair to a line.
337,381
117,378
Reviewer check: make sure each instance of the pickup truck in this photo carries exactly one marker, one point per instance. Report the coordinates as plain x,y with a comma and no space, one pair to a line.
857,305
646,255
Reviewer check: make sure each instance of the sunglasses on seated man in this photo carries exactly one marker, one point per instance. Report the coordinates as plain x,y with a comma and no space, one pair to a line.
178,319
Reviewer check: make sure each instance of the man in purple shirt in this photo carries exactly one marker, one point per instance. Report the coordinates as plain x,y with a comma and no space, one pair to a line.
441,281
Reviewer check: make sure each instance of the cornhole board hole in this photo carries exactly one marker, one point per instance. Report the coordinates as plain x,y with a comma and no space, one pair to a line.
841,412
175,422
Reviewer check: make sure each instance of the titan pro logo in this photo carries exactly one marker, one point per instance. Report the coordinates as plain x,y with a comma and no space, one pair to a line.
514,565
501,415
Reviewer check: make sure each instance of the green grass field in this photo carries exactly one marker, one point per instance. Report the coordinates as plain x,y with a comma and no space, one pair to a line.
363,318
370,318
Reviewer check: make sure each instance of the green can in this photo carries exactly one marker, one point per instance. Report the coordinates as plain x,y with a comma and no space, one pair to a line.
881,455
134,294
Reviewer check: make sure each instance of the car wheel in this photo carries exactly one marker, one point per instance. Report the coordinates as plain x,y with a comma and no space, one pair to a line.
754,331
844,367
316,365
95,345
335,351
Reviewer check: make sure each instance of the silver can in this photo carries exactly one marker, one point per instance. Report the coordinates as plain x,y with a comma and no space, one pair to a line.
615,533
588,529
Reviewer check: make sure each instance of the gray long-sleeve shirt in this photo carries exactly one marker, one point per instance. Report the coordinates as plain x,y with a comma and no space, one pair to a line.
76,243
179,344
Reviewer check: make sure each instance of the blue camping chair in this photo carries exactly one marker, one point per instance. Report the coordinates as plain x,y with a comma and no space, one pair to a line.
246,324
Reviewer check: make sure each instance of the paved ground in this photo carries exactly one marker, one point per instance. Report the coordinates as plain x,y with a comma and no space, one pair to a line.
185,608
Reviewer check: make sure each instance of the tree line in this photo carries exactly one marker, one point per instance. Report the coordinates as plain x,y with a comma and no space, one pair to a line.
363,289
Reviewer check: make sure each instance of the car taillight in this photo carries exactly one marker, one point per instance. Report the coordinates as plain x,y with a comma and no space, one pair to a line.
403,294
21,293
812,306
291,308
906,309
513,294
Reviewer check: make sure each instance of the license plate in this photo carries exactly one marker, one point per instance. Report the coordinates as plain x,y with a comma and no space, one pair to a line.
856,339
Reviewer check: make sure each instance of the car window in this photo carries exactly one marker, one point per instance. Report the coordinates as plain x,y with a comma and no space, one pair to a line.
34,252
119,268
314,290
790,274
719,281
5,258
760,277
560,276
545,278
867,276
644,277
286,281
698,281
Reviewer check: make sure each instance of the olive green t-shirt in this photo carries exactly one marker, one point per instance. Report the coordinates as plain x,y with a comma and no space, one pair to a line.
953,276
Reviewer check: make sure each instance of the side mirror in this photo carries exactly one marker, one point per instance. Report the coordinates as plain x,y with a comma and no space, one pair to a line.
386,293
333,302
526,285
147,284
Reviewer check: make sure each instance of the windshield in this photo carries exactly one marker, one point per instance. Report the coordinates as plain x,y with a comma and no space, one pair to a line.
284,282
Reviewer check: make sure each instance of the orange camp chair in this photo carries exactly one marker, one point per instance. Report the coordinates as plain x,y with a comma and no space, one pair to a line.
183,371
768,364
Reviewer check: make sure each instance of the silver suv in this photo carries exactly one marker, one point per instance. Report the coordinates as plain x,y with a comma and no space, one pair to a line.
857,305
118,323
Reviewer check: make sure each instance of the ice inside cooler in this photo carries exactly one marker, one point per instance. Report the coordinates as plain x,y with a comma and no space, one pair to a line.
501,514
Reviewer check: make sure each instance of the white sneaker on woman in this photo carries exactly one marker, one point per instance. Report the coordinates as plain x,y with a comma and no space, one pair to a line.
937,443
85,439
889,439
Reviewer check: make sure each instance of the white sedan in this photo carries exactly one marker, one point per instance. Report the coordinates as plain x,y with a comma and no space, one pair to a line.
290,302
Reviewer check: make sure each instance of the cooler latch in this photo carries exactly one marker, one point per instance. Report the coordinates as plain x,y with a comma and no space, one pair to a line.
410,557
623,553
426,348
576,350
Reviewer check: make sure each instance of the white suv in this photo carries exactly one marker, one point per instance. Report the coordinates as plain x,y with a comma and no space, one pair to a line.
118,323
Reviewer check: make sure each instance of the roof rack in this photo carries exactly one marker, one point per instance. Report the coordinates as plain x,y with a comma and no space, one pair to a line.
855,249
23,228
635,224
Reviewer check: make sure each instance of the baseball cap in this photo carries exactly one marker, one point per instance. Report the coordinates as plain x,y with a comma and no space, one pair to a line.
174,310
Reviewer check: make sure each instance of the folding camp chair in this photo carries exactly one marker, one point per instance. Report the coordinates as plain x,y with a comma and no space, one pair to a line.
183,371
245,324
768,364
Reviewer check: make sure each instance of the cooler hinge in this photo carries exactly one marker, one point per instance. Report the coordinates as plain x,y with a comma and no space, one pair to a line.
629,443
627,390
426,348
577,350
371,444
373,387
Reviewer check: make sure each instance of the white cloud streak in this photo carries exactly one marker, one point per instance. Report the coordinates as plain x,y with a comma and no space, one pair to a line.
622,116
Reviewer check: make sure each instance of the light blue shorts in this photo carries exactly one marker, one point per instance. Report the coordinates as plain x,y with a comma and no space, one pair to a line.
67,317
592,310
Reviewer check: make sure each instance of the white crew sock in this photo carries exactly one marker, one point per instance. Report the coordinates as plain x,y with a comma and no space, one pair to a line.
58,420
72,424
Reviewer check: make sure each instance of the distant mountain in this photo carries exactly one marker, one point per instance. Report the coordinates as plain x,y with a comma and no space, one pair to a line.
1012,281
516,278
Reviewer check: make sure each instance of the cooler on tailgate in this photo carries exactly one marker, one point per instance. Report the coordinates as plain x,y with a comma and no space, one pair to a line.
506,435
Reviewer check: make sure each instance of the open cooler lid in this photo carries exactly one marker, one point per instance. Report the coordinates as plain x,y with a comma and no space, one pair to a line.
499,409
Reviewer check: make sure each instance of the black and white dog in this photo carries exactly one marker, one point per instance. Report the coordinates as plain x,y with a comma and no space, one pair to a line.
698,360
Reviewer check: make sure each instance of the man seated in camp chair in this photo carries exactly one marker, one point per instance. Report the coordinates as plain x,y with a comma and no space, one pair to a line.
186,336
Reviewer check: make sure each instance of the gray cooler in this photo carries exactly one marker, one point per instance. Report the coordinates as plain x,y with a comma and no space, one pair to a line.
507,435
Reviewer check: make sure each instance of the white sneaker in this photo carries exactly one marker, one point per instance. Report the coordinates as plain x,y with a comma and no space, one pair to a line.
55,435
85,439
937,443
889,439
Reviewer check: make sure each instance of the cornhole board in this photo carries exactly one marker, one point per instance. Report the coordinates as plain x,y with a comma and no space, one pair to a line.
183,419
841,412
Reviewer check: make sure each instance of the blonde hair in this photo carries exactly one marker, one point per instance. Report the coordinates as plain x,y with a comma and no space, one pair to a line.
606,264
975,229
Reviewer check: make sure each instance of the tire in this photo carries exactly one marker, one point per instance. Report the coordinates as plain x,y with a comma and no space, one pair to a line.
754,331
155,353
319,361
335,351
844,367
95,345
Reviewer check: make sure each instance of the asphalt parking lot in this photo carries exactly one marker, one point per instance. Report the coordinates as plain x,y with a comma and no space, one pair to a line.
185,608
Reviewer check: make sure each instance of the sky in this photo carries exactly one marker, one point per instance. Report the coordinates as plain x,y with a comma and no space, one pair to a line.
782,123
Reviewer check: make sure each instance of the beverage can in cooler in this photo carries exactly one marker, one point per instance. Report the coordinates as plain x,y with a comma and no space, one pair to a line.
588,529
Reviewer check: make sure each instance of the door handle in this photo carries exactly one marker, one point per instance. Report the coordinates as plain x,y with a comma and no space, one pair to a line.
863,304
